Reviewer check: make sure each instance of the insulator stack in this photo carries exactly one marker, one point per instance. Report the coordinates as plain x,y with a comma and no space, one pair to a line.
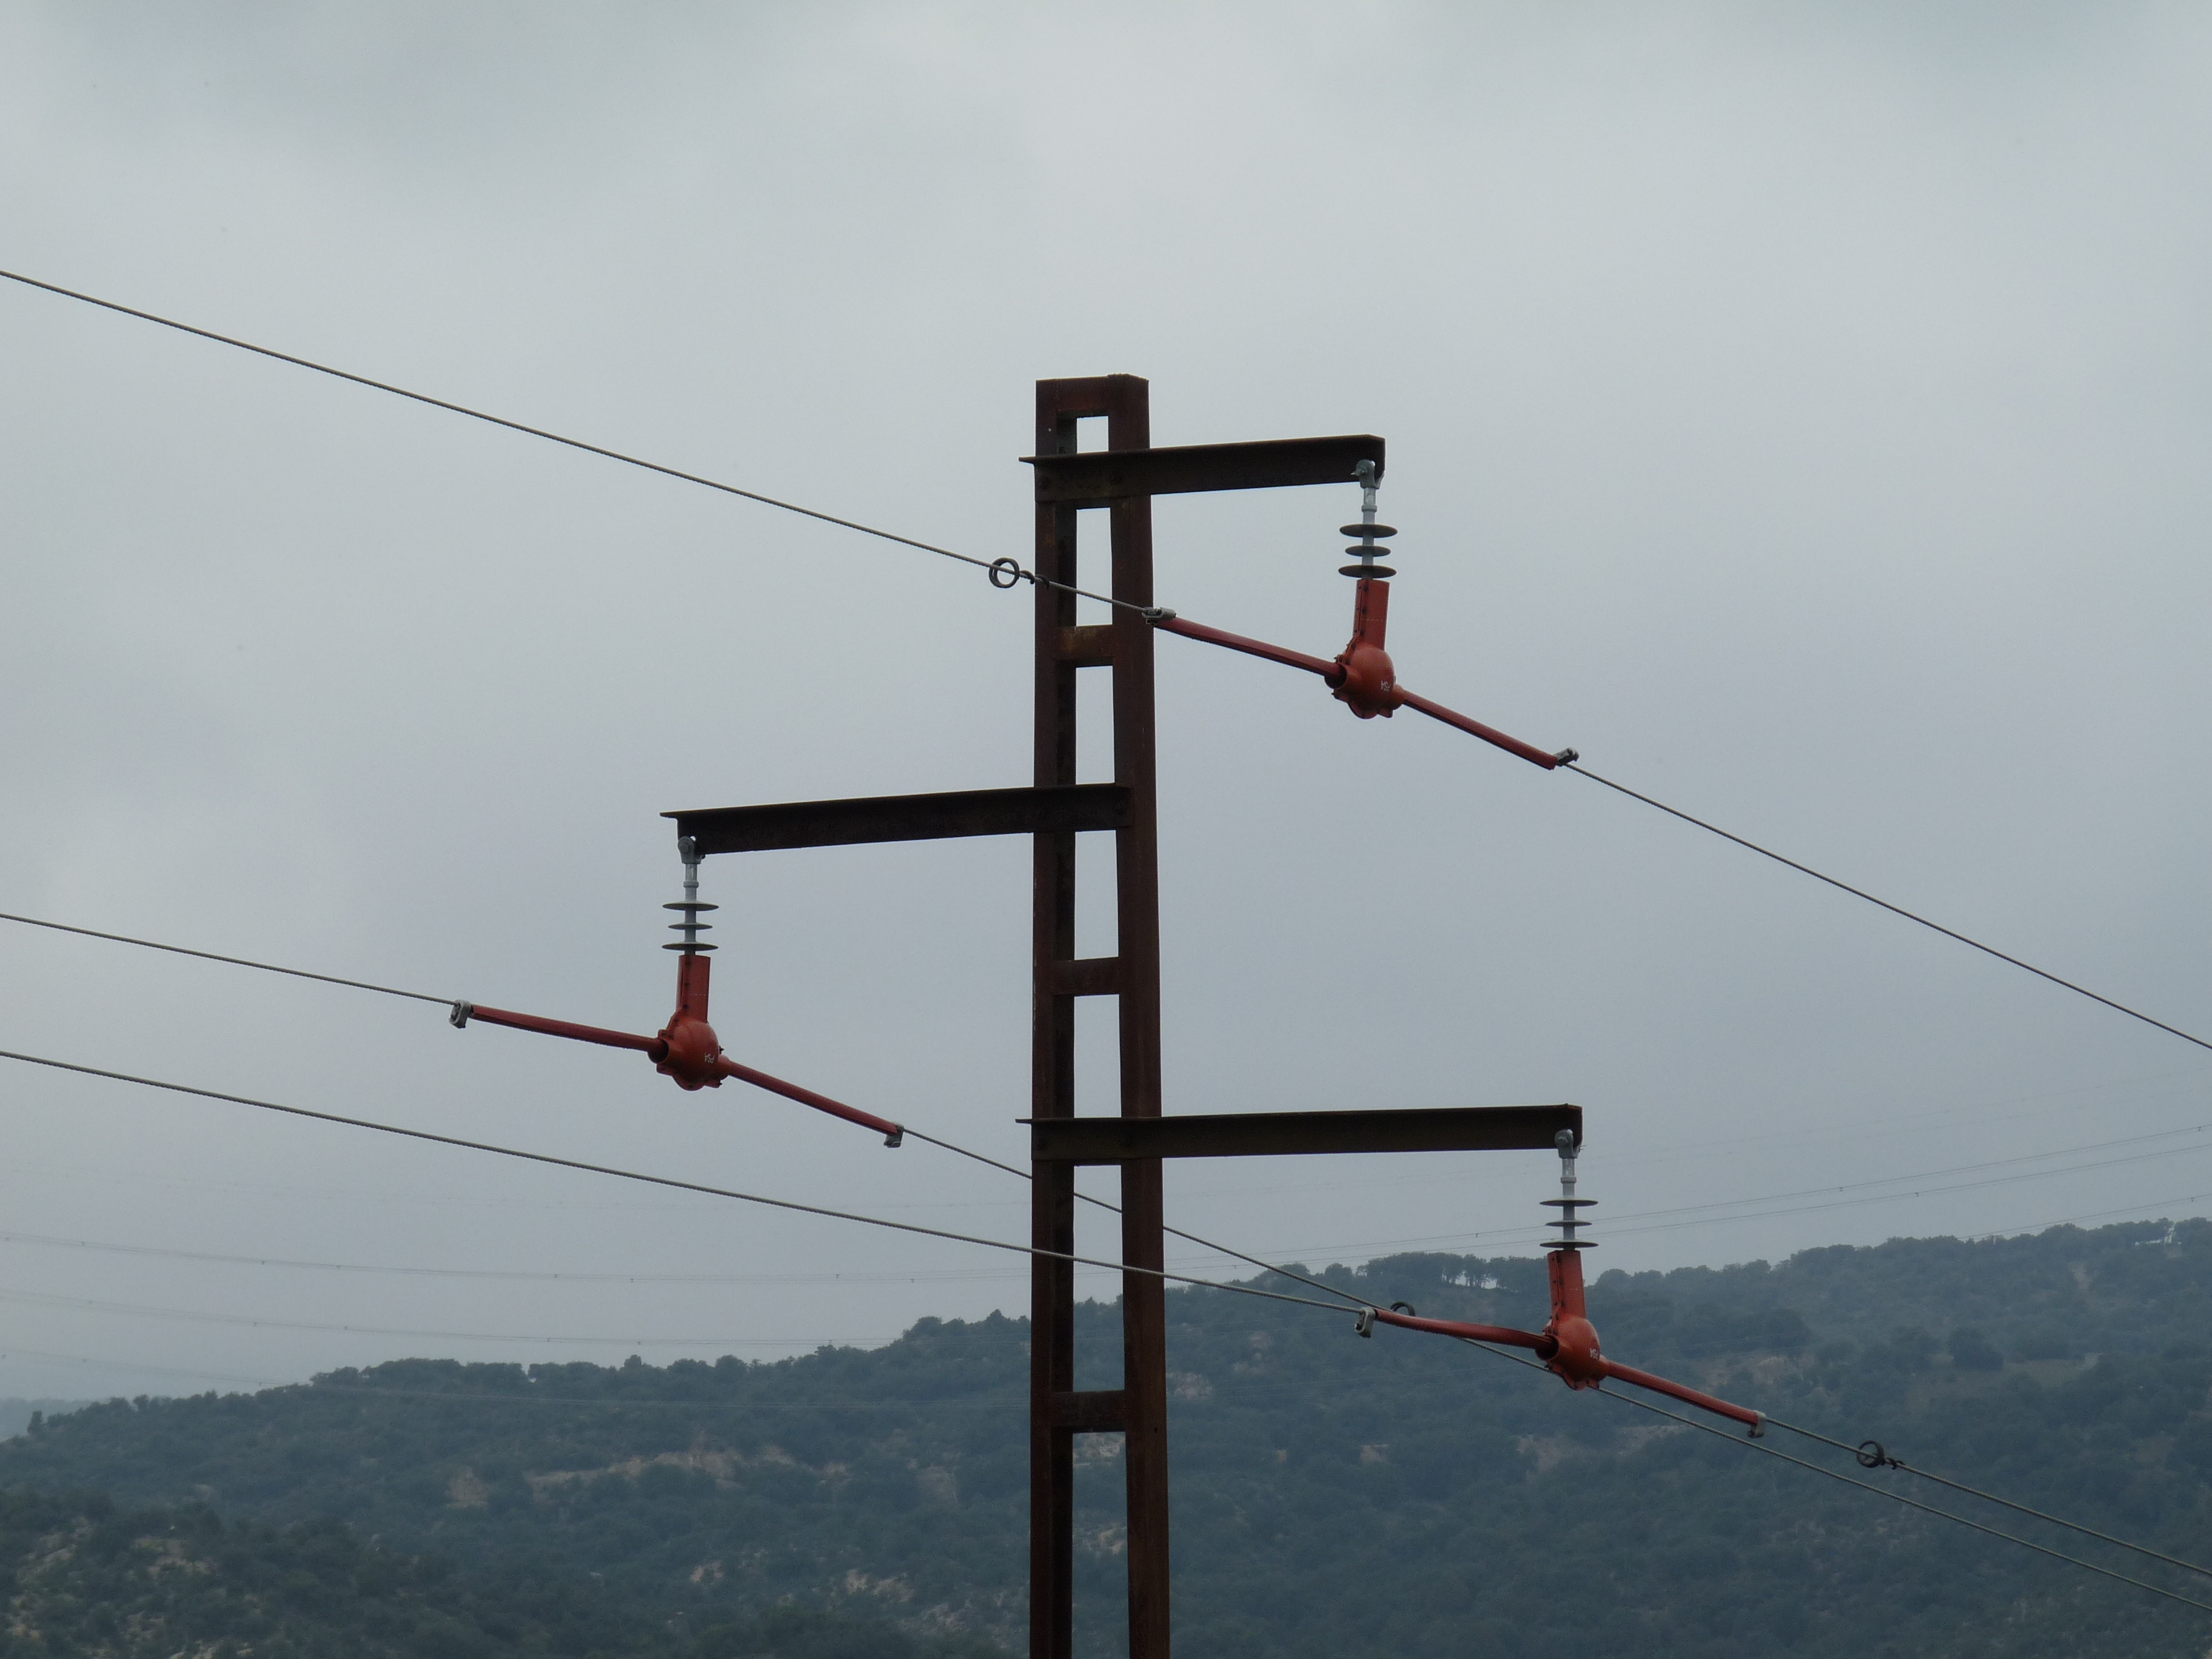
690,927
1364,550
1566,1203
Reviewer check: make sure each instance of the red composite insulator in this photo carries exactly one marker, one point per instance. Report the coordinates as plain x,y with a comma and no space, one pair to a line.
1574,1360
1365,681
691,1052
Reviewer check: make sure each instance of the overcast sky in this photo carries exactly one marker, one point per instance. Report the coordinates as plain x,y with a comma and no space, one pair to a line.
1799,409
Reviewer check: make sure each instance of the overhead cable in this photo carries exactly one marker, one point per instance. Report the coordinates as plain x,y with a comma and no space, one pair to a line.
1015,572
44,1299
996,1244
235,962
994,568
662,1180
1879,1492
1873,1454
1894,909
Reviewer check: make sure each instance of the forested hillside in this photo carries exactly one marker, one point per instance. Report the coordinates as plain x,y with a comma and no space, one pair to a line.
1403,1496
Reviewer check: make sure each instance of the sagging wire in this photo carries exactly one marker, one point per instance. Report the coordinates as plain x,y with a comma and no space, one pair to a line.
1005,572
1894,909
1873,1454
1033,1250
993,568
1894,1496
424,996
235,962
679,1185
1659,1220
1351,1301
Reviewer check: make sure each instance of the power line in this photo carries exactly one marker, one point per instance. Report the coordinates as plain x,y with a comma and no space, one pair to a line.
1015,572
235,962
660,1181
42,1299
424,996
996,1244
1012,568
1872,1455
1511,1234
526,1275
1865,1486
1193,1238
1894,909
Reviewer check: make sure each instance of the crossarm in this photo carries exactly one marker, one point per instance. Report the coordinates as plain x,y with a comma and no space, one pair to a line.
892,1133
464,1011
1191,630
1544,1346
1499,1335
1436,711
1744,1414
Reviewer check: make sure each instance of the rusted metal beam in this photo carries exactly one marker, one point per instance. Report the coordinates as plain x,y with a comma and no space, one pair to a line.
1099,476
1093,1411
1261,1135
1046,810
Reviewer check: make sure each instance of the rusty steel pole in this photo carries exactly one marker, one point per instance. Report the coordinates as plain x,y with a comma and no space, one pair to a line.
1139,1409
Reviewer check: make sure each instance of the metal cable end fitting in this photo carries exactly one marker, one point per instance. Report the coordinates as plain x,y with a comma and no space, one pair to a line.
1156,613
1568,756
458,1018
1364,1325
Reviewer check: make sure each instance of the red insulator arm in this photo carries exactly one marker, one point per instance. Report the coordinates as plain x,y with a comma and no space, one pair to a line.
891,1132
1498,1333
1704,1402
1333,674
1436,711
1544,1346
1191,630
559,1028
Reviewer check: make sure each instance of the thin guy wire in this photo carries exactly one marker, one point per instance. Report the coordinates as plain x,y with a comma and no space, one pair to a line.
1989,1496
1013,1169
1894,909
1863,1486
662,1181
551,437
235,962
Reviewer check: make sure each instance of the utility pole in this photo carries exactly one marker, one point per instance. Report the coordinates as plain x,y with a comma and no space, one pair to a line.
1120,480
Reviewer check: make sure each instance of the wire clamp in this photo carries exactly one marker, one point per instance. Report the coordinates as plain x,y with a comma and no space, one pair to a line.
458,1018
1157,614
1567,756
1364,1325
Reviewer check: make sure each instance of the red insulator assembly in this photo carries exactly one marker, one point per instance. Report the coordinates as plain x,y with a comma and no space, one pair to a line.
1568,1345
686,1048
